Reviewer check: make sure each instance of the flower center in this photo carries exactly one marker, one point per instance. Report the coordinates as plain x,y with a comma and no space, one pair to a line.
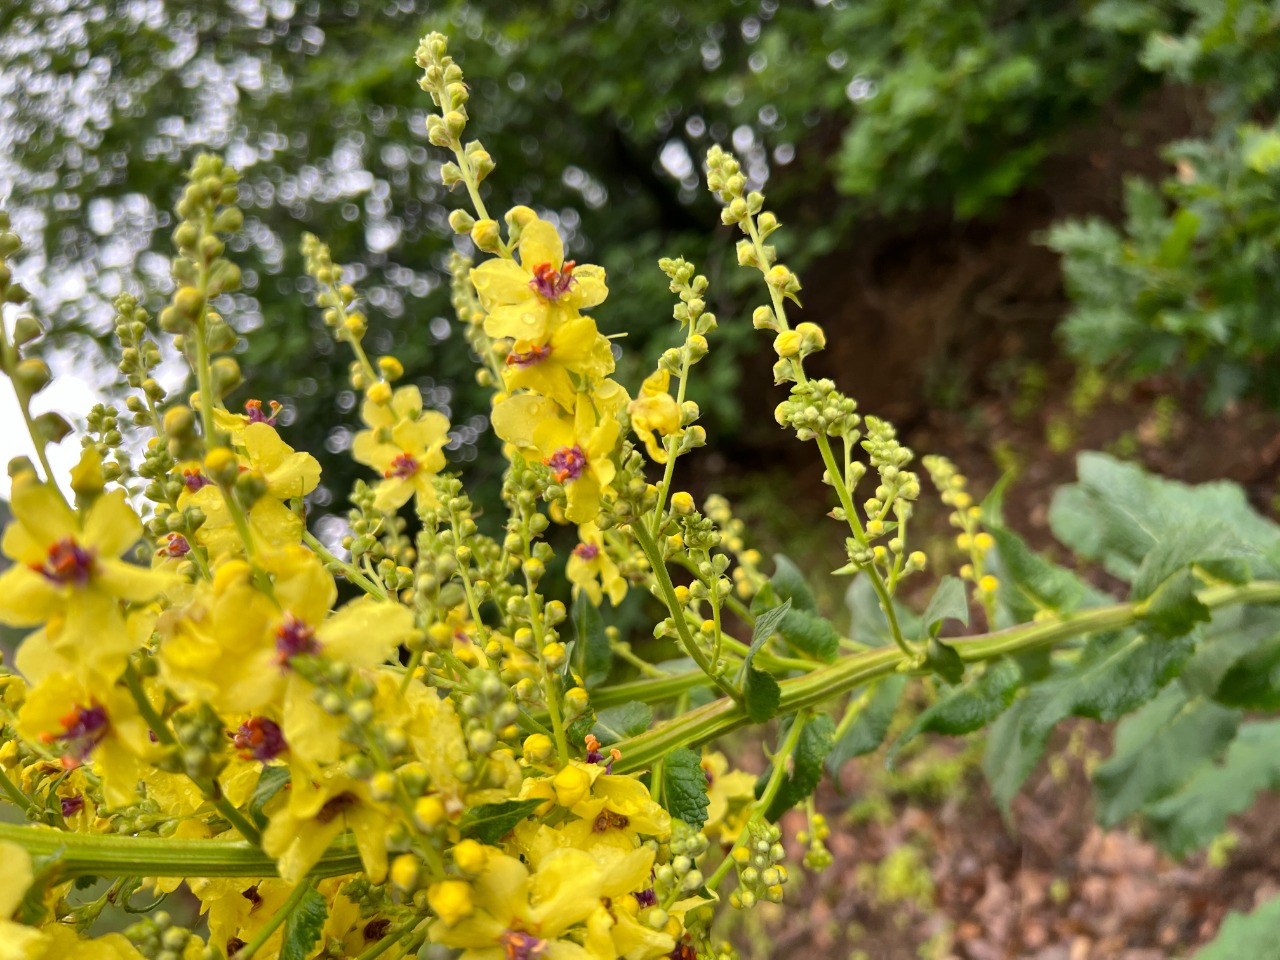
552,284
71,805
608,820
586,551
293,637
403,467
567,462
82,730
259,739
194,480
175,547
67,563
522,946
528,358
335,807
253,408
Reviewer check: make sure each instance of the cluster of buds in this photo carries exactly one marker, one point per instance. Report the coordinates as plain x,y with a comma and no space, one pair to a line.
816,856
679,876
966,516
815,408
748,578
139,356
442,78
102,433
761,873
157,937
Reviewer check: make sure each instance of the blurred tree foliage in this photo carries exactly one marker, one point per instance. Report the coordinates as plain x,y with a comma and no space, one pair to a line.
849,109
1191,280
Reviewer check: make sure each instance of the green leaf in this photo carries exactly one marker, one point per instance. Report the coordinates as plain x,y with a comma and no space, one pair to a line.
965,709
867,723
1180,546
1187,820
1262,150
577,731
623,721
269,783
1158,749
761,695
949,602
1177,242
592,656
811,634
1174,609
1116,674
1030,583
1253,681
1241,935
684,786
789,584
490,822
303,926
806,765
942,659
766,625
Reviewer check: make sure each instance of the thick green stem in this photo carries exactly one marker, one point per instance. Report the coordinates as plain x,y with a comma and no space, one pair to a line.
117,855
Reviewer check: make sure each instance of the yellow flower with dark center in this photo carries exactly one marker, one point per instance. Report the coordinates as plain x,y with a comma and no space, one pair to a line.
67,574
575,357
405,444
591,569
529,299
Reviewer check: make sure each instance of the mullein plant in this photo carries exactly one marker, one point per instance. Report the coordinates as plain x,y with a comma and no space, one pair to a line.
453,756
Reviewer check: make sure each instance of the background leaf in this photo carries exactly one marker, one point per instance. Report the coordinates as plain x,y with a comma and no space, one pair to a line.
684,786
303,926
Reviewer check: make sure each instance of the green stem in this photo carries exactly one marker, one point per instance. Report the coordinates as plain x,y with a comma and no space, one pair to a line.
650,548
721,716
279,917
17,796
350,571
120,855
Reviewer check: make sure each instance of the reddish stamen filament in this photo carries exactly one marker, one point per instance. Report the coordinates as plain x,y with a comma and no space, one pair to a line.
567,462
403,467
552,284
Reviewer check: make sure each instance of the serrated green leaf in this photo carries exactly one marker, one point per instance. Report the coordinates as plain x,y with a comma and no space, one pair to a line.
949,602
1253,935
806,765
1174,609
1030,583
623,721
761,695
1252,682
789,584
867,723
1187,820
684,787
1116,674
269,783
303,926
582,725
767,623
490,822
1179,547
966,708
1158,749
941,658
592,656
1116,513
809,633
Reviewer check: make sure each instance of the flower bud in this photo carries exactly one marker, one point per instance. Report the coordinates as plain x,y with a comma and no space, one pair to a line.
461,221
450,900
682,503
787,344
485,235
537,748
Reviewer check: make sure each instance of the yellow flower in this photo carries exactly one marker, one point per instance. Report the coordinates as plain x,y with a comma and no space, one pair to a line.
655,414
731,795
322,805
575,357
405,444
97,724
590,568
239,907
523,916
530,299
67,574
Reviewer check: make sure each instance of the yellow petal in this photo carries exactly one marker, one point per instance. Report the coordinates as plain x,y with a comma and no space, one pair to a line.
365,632
27,598
501,282
111,526
15,878
540,243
